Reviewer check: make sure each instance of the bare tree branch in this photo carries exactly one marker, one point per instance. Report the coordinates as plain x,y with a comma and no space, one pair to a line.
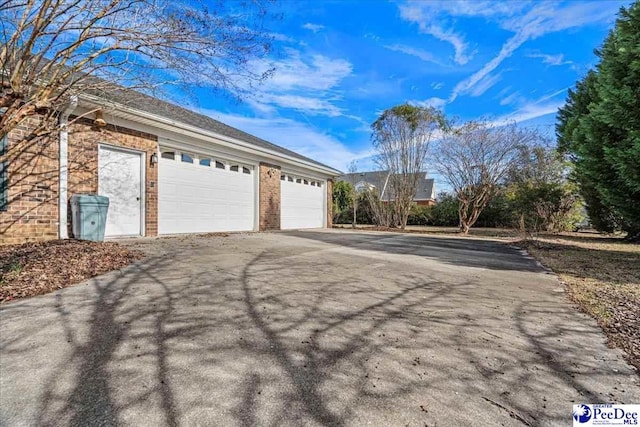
401,137
474,158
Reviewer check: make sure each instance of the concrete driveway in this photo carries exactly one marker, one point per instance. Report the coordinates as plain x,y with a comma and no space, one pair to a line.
308,328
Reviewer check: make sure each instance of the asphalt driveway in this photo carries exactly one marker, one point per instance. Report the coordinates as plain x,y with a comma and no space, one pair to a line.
308,328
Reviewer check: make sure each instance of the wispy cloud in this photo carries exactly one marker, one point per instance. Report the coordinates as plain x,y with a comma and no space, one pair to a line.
418,53
437,85
550,59
486,83
434,102
510,99
302,82
313,27
429,23
316,72
543,106
526,20
300,137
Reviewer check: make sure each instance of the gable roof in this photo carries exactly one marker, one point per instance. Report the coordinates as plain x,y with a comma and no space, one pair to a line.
121,96
378,179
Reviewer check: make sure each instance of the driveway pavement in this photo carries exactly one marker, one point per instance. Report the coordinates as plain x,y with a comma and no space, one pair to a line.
308,328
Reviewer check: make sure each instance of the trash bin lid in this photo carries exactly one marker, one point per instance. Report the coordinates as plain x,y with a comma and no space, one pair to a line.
89,200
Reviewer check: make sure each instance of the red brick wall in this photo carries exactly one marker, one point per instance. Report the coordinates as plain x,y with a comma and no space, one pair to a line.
32,195
33,170
83,162
329,203
269,198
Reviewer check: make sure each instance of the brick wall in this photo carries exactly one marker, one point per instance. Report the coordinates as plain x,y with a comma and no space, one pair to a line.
32,212
269,197
329,203
32,195
83,162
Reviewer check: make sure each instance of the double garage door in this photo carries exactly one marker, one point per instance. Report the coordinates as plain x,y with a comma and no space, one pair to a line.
199,194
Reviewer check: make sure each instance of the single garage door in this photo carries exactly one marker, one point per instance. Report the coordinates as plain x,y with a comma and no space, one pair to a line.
301,202
199,194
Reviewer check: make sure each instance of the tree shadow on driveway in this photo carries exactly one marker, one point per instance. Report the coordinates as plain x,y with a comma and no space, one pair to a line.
288,331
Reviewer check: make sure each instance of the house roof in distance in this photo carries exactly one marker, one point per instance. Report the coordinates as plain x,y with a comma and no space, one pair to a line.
378,179
148,104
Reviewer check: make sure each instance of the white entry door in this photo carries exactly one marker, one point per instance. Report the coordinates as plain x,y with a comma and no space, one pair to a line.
199,194
301,203
120,179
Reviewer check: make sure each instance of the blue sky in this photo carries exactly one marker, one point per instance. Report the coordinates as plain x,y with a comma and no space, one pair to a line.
339,64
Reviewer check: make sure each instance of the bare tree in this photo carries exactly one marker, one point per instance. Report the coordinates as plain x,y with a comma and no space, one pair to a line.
53,49
474,159
401,136
354,195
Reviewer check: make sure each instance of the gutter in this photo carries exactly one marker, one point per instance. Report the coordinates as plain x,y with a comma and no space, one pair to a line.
63,173
219,139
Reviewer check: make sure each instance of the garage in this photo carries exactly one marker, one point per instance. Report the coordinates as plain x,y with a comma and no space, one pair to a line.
199,194
302,202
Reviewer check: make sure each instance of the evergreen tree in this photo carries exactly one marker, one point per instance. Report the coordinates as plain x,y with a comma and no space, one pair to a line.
599,127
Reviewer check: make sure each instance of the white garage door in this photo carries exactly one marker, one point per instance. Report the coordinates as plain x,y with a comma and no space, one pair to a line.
301,203
200,194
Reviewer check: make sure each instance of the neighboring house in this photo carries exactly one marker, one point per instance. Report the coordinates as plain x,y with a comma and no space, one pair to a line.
379,180
165,169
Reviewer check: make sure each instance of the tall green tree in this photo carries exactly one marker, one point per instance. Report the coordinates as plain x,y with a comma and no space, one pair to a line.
599,127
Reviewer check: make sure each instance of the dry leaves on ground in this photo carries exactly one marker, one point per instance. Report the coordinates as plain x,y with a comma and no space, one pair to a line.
603,277
37,268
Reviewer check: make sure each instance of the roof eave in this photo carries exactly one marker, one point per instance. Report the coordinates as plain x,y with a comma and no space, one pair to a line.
170,124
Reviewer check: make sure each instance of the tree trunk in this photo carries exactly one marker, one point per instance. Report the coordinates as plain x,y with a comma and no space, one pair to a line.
355,213
464,227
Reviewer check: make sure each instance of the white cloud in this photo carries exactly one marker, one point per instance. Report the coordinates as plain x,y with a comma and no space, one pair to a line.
510,99
437,85
306,83
317,72
434,102
540,107
418,53
306,104
526,20
313,27
429,23
550,59
485,84
532,111
296,136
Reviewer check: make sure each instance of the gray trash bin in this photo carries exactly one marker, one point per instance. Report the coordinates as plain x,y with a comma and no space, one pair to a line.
89,216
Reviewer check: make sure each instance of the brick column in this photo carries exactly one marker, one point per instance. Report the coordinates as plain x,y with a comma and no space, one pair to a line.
269,197
329,203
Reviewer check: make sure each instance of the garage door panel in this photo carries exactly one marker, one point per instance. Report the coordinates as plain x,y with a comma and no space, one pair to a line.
197,199
302,206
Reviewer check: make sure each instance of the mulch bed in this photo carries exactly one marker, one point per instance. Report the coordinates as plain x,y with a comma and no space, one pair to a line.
38,268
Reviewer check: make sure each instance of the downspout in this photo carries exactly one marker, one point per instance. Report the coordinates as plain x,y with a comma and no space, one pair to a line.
64,172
